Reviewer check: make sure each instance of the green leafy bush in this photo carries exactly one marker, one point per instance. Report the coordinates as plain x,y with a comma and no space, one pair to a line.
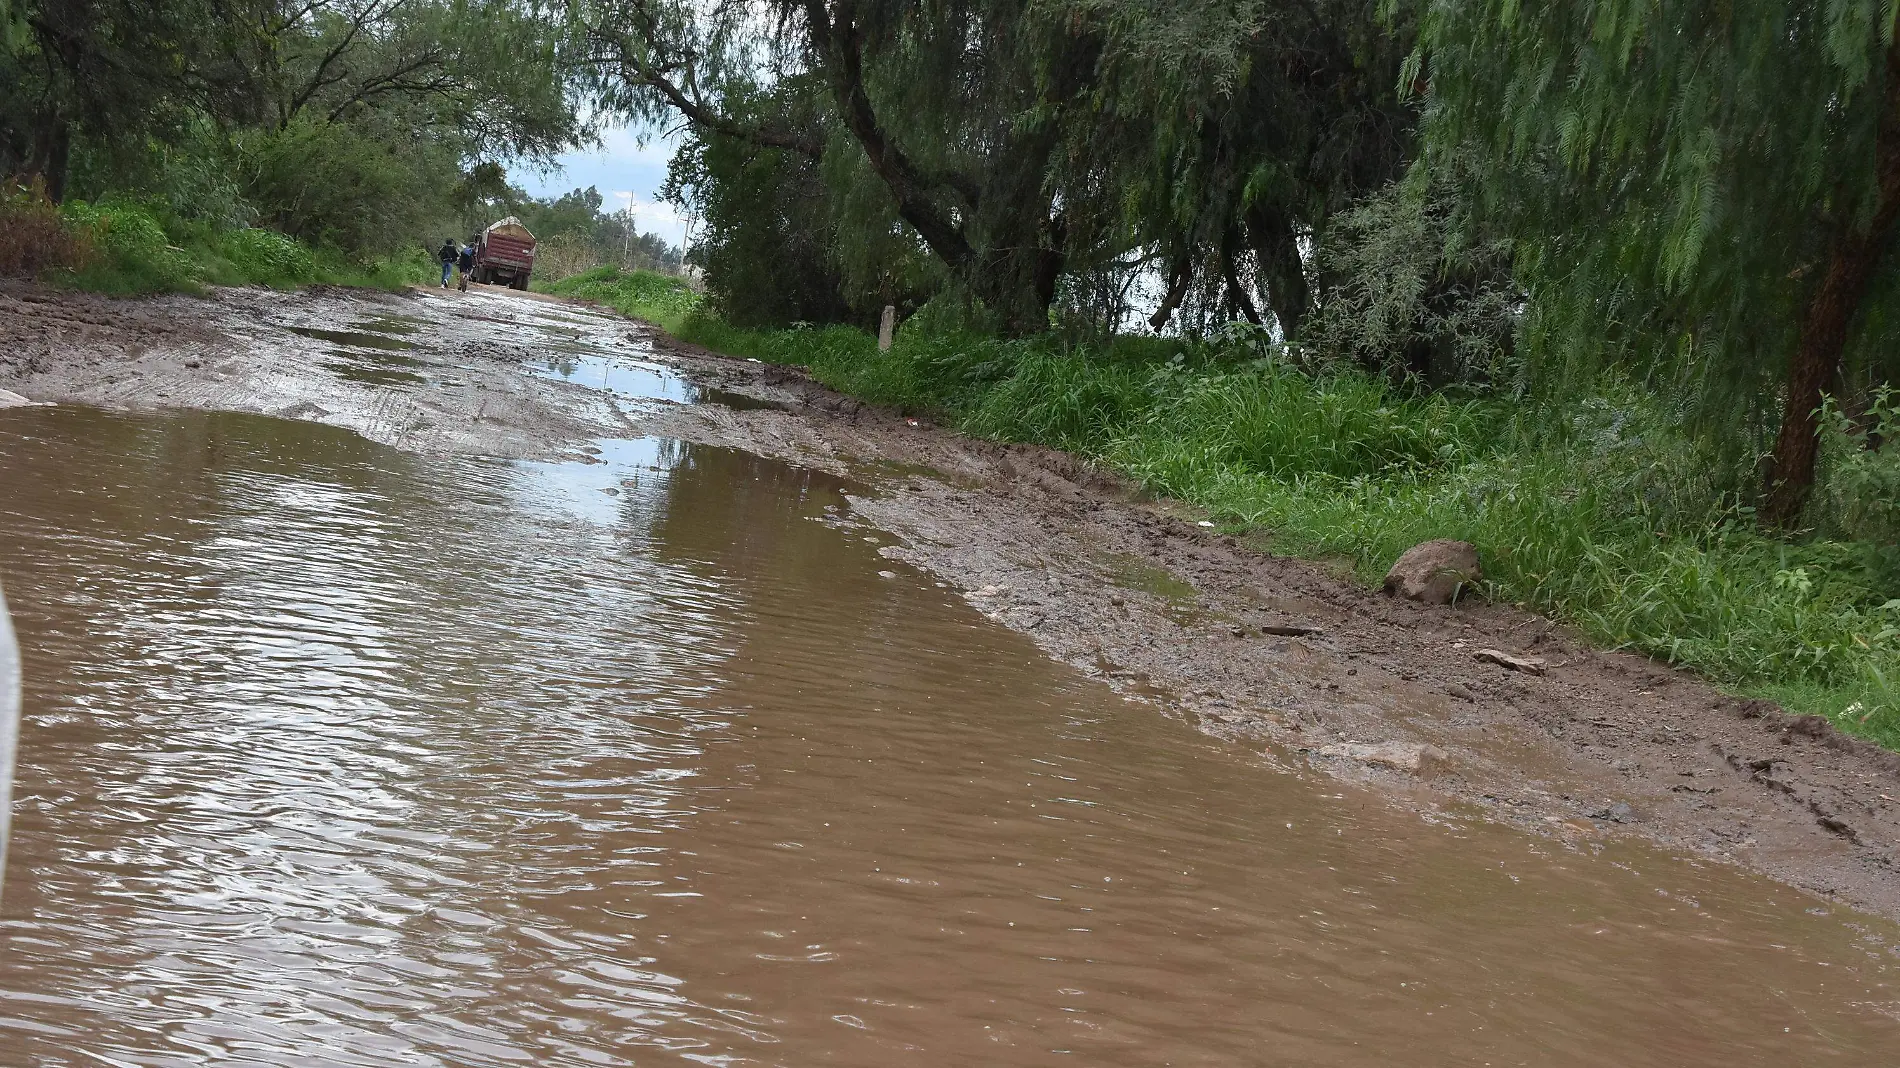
132,252
268,256
1859,491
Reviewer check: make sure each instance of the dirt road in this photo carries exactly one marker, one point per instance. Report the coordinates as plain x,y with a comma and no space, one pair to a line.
1379,691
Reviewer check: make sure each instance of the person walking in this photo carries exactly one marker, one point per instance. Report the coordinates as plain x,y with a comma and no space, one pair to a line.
447,255
465,265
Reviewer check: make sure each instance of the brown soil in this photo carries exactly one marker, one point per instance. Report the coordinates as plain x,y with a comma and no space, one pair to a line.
1129,589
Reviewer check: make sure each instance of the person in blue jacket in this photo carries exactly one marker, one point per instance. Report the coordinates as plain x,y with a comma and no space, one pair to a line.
447,256
464,266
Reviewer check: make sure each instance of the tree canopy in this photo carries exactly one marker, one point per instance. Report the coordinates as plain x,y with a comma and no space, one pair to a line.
341,121
1703,190
1026,146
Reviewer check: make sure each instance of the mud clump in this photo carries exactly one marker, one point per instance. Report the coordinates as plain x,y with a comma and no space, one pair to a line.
1399,756
1434,572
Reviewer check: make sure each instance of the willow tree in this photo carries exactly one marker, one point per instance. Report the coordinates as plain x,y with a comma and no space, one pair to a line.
957,108
112,70
1708,185
1025,141
1234,132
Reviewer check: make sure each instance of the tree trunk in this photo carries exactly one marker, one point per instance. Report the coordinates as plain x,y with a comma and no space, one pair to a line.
1277,249
1230,271
1825,323
1180,273
1018,285
49,156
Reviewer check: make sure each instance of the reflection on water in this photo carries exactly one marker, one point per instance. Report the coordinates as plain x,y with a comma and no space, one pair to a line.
586,365
340,756
633,379
367,339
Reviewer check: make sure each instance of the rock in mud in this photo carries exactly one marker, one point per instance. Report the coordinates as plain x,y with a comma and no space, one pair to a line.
10,399
1620,812
1530,665
1401,756
1434,572
1291,630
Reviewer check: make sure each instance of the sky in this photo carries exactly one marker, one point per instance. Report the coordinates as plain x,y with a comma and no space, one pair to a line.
624,172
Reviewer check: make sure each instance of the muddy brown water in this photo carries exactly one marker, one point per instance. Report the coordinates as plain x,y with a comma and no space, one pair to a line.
336,755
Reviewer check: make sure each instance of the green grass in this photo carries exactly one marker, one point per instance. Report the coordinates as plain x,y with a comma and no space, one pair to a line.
1599,512
658,298
131,252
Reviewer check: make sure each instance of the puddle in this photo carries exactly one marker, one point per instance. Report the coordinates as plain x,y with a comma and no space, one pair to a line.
573,320
357,338
335,754
637,379
370,374
631,379
390,324
372,367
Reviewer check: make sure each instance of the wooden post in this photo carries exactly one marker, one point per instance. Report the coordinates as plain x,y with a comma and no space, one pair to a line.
886,328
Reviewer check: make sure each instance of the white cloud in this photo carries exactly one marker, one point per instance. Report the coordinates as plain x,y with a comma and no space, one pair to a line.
632,171
655,217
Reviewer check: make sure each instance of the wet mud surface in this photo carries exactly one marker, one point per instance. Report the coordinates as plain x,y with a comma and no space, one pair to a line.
1602,748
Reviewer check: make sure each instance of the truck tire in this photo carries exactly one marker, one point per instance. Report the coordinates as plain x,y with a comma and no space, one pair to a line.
520,282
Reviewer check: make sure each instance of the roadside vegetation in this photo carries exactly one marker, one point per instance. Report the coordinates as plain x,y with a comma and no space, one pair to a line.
167,145
124,248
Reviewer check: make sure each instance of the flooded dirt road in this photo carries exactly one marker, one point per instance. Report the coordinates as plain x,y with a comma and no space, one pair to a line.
529,695
339,754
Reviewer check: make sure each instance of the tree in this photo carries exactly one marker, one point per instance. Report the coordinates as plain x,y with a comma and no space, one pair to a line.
1709,188
1233,133
1021,142
955,107
113,70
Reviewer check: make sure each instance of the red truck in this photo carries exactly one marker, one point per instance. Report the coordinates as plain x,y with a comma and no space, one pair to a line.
504,254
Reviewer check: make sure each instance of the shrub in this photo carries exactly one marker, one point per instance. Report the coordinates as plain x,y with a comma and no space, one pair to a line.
33,237
132,251
1859,489
268,256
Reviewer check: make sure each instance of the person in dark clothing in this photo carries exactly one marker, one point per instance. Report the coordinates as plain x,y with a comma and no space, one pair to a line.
464,266
447,256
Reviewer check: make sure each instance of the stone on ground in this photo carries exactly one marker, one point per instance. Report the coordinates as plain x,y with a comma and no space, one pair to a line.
1529,664
1434,572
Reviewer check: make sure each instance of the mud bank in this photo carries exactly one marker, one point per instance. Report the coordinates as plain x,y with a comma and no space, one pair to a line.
1380,691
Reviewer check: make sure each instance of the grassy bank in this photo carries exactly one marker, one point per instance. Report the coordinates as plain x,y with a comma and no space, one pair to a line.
1600,512
127,248
661,299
